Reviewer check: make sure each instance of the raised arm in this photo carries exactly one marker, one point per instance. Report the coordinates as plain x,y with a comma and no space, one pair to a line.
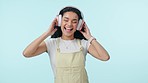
95,48
38,46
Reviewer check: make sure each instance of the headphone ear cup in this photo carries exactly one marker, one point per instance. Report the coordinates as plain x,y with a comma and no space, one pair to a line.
59,20
79,27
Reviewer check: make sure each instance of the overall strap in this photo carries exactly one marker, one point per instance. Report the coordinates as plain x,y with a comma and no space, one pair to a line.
79,43
58,42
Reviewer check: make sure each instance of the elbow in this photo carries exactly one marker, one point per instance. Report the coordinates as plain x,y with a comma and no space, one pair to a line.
25,54
106,58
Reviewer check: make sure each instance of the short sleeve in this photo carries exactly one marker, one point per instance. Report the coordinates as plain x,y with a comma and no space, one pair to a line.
86,45
50,44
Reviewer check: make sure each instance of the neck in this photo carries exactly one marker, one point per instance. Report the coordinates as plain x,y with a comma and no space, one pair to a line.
67,37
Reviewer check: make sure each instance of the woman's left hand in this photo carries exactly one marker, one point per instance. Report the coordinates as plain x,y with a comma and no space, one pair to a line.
86,33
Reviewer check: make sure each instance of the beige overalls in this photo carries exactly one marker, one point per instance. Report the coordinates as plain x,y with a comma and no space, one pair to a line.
70,67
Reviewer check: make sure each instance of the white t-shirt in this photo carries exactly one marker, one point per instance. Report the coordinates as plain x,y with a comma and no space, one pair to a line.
66,46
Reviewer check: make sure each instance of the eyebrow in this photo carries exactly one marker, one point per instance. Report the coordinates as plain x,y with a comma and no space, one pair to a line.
68,18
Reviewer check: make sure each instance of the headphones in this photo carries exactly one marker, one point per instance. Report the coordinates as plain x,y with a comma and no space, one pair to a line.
80,23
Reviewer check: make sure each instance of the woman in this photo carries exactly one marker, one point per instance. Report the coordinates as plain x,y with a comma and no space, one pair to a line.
68,47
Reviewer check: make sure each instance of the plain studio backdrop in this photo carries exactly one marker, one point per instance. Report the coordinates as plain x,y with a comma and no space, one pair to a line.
121,26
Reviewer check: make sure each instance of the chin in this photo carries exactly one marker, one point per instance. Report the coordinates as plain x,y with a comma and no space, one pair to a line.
68,35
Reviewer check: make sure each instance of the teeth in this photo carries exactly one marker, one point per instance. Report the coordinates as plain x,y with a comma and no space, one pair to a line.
68,29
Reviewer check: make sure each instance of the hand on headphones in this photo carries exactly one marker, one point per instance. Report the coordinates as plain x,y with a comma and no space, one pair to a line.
52,28
86,33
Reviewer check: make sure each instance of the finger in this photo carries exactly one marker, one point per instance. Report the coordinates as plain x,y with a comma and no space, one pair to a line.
54,30
82,32
56,20
85,25
54,23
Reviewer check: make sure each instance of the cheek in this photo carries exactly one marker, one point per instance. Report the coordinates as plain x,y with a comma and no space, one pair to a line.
63,23
75,25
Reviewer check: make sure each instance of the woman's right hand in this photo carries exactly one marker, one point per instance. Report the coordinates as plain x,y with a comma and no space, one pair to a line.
51,29
38,46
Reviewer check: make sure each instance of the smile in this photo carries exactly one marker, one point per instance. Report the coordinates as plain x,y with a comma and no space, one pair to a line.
68,29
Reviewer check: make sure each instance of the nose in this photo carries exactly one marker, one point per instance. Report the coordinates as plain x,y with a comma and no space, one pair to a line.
69,23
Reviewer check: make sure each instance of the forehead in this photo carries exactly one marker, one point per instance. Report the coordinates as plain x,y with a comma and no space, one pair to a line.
70,15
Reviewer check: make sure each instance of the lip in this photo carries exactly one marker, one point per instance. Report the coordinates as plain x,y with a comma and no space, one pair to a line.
68,30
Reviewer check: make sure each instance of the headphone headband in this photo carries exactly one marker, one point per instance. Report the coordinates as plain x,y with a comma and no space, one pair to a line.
73,9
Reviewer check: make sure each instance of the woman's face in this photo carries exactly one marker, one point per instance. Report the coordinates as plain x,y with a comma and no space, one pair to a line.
69,24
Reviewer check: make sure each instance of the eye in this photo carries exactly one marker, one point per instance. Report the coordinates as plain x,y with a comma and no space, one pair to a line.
65,20
74,21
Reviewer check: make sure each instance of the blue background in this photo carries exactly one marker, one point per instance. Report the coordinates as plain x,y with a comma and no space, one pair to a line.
121,26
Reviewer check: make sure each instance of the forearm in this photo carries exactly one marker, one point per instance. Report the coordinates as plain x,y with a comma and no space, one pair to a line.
102,53
32,47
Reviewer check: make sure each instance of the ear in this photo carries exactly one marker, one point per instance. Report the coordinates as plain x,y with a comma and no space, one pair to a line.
80,24
59,18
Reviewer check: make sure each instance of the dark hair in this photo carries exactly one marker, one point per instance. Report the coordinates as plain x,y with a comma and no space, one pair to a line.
77,33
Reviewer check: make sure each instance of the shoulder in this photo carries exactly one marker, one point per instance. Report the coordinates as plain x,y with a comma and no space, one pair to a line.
51,44
85,44
84,41
51,41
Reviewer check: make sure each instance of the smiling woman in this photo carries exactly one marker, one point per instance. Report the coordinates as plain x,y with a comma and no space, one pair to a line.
77,19
68,46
